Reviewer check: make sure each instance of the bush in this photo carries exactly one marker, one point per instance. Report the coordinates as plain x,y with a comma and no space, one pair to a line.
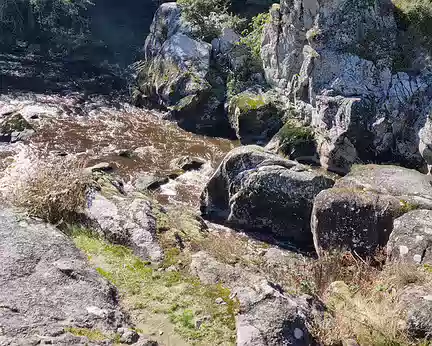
55,192
252,37
36,20
414,19
209,17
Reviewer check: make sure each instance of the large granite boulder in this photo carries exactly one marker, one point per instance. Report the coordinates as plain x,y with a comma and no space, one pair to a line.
47,288
411,239
358,212
176,75
339,57
257,191
268,316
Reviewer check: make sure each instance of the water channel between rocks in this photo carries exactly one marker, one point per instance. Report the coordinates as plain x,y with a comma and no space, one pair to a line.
97,129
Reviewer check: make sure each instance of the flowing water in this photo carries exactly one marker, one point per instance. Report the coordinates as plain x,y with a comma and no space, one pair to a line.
99,129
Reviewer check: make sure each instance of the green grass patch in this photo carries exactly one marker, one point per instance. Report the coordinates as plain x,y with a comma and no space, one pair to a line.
248,101
91,334
181,297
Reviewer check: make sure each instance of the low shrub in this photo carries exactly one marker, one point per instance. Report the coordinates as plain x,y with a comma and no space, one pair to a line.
252,36
209,17
33,20
54,191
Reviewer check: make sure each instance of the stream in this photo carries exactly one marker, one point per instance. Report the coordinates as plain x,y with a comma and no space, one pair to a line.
101,126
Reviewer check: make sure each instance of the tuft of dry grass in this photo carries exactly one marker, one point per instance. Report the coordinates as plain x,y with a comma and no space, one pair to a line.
55,191
365,305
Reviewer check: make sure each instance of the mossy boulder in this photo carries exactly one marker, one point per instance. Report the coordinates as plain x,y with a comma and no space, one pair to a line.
294,141
359,211
257,191
14,127
177,75
254,116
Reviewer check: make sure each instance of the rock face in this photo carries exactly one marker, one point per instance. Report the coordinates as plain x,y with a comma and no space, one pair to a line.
46,287
418,302
267,315
411,239
358,212
124,219
175,74
339,58
258,191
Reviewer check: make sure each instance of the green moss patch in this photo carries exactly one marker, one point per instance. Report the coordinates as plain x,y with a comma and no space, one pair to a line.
92,334
248,101
189,305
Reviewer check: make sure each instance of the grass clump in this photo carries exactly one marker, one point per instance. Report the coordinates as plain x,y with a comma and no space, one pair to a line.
363,302
414,19
189,304
55,191
91,334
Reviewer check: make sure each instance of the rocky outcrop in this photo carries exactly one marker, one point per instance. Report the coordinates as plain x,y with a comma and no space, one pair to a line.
125,219
47,288
176,74
411,239
358,212
338,57
255,190
268,316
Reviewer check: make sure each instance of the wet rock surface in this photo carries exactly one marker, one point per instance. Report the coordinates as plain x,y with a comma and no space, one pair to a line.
47,287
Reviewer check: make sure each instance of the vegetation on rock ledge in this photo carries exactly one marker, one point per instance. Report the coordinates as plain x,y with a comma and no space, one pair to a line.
190,306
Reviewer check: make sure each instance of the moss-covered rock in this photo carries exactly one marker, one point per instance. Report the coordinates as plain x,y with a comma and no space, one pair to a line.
358,213
254,116
294,141
180,299
14,127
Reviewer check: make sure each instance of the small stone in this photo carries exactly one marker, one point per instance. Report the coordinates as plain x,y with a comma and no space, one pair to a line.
172,268
298,333
129,154
150,182
100,167
128,336
188,163
220,301
201,320
161,332
97,311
